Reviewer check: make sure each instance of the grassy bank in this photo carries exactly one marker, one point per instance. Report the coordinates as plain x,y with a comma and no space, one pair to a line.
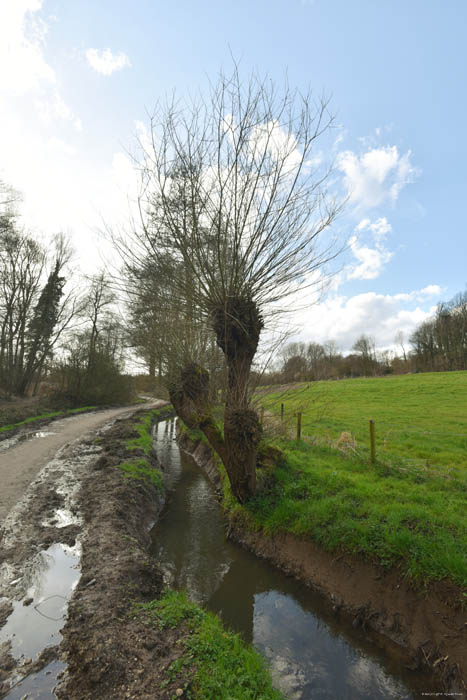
214,663
398,518
139,466
421,419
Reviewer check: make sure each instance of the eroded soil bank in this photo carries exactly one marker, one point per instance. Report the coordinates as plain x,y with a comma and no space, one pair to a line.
94,507
427,628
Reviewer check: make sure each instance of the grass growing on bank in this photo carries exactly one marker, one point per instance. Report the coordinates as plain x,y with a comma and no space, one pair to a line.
143,427
140,467
141,470
220,665
417,523
47,415
420,419
410,520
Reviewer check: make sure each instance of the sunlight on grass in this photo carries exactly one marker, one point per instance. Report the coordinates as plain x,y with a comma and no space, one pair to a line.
396,518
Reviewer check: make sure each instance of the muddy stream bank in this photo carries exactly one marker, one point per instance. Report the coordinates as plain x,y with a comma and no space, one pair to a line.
311,652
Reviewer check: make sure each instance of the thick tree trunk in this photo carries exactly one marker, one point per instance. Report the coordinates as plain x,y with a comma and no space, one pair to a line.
190,398
242,432
238,326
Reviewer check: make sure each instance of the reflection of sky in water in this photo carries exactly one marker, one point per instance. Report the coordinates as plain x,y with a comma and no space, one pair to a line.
189,539
309,662
307,649
51,576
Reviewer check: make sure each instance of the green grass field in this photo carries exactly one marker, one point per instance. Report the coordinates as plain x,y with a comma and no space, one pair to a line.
420,419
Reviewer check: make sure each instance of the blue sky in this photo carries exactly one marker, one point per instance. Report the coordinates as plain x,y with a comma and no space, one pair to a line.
78,77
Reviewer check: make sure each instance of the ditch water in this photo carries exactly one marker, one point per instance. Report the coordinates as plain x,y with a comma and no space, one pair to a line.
311,654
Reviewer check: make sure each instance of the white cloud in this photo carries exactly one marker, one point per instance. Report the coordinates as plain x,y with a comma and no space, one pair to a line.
27,79
105,62
340,137
380,228
372,261
344,318
271,138
43,153
420,295
33,114
377,176
21,41
431,290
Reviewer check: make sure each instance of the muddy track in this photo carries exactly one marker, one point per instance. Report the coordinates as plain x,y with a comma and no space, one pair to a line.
78,506
29,449
426,628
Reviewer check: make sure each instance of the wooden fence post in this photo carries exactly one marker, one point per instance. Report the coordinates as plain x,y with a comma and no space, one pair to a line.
282,412
261,416
372,442
299,426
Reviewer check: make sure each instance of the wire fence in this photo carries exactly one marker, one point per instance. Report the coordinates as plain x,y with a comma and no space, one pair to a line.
405,447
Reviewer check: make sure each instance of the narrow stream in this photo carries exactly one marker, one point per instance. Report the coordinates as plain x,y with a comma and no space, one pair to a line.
310,652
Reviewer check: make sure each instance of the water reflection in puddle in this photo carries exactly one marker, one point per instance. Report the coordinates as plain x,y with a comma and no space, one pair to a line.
24,437
50,577
38,686
312,655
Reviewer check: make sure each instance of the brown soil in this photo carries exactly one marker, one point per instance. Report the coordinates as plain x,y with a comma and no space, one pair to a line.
428,627
110,652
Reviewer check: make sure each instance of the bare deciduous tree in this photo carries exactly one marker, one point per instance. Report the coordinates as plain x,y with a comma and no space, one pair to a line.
34,311
232,190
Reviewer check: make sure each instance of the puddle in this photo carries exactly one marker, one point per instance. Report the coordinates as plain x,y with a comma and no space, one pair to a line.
9,442
23,437
49,579
38,686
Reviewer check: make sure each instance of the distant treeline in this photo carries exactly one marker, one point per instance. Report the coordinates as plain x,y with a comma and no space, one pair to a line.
439,344
60,334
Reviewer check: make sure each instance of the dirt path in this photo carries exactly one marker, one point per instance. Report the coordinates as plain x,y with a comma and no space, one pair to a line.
41,538
22,459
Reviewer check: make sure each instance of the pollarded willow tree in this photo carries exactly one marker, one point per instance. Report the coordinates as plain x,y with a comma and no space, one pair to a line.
233,191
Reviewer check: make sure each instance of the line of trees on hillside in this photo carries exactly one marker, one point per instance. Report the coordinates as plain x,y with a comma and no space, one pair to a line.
438,344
